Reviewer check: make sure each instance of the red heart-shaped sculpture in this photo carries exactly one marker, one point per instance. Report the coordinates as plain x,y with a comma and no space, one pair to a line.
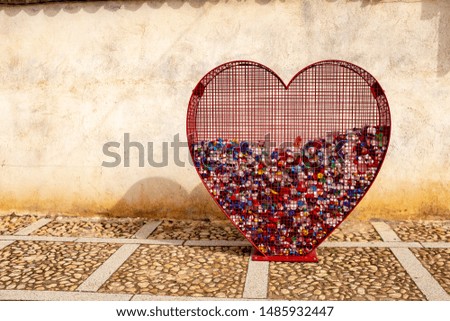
287,164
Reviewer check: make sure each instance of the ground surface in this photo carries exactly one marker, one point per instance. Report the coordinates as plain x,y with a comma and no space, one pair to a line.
62,258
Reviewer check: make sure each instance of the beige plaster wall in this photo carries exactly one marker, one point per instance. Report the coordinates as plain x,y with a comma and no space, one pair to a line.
75,76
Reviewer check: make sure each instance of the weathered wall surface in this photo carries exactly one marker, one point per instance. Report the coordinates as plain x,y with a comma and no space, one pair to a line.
75,76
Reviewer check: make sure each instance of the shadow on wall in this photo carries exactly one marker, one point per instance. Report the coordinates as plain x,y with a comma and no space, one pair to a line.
431,9
159,197
53,7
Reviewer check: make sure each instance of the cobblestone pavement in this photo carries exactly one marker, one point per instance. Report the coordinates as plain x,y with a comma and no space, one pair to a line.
50,265
182,271
431,231
355,231
10,224
91,227
53,258
344,274
197,230
437,261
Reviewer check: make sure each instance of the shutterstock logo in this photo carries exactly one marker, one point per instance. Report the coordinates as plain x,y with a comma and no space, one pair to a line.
311,154
119,154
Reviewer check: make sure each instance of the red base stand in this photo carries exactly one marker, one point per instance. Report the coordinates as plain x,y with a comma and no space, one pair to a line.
308,258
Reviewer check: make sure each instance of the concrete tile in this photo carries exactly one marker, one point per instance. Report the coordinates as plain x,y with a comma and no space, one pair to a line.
257,280
21,295
147,229
386,232
216,243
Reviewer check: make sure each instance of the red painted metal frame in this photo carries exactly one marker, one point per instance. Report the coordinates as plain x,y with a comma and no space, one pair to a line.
342,94
311,257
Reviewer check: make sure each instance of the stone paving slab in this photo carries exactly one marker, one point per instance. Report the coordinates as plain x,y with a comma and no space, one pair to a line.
399,244
422,231
103,273
10,224
4,244
386,233
216,243
38,238
146,230
94,227
256,283
182,271
344,274
21,295
147,297
50,265
33,226
197,230
129,241
190,260
421,277
371,244
436,245
437,262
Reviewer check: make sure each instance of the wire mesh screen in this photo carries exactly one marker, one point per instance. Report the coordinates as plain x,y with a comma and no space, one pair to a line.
287,163
247,101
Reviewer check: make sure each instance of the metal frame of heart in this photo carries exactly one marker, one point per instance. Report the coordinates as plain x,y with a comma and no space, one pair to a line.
288,163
